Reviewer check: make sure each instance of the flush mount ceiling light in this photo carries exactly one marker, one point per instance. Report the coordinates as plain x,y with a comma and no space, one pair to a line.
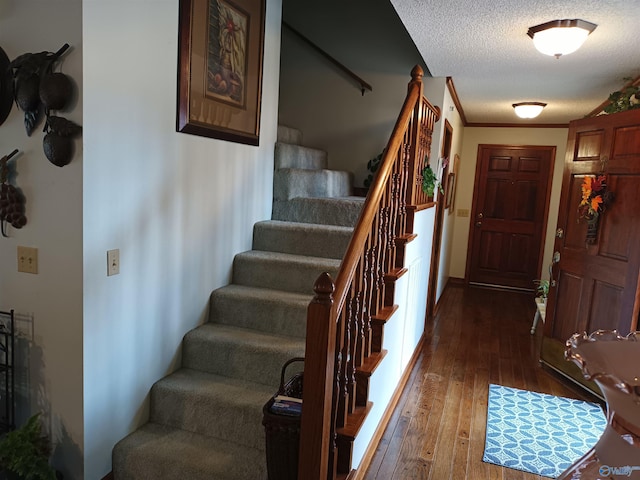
528,109
560,37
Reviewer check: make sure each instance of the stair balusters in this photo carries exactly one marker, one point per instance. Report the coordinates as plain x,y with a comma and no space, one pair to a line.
345,317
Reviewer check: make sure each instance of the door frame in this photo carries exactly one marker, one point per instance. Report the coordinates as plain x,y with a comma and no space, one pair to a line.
552,149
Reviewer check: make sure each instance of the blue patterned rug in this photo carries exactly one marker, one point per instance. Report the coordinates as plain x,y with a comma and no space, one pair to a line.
539,433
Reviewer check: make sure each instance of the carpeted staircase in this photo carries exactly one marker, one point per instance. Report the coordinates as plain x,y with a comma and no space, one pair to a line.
206,418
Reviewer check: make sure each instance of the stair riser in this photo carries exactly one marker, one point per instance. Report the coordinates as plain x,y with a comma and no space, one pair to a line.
280,318
198,412
292,183
316,241
296,156
307,210
257,363
292,277
289,135
156,452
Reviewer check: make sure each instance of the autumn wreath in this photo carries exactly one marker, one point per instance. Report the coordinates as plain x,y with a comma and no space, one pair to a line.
595,199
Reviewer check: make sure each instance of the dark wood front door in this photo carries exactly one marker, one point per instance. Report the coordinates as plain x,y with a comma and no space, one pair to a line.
596,282
509,215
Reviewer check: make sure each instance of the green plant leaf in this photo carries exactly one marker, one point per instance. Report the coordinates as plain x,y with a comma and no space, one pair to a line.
430,182
25,452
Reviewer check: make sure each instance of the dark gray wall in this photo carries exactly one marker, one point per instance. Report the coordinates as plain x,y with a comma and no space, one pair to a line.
316,97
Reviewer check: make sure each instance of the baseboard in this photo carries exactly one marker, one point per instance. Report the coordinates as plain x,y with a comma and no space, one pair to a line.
360,472
456,282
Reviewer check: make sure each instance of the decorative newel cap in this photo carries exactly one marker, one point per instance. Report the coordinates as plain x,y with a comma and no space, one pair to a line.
417,73
324,286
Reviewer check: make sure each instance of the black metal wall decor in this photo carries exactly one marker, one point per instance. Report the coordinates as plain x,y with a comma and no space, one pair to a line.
7,372
12,200
6,87
38,90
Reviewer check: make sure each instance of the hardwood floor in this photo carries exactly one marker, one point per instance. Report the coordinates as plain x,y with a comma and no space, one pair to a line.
479,336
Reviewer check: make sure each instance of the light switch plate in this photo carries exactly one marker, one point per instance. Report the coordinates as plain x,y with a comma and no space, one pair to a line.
113,262
27,259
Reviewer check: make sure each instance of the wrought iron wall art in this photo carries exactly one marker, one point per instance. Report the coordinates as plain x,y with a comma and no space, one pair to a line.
7,374
12,200
6,87
38,90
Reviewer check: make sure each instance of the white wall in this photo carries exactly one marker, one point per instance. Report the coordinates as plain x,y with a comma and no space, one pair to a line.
177,206
474,136
48,305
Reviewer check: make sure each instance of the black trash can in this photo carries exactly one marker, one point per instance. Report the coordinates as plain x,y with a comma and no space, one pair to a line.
282,427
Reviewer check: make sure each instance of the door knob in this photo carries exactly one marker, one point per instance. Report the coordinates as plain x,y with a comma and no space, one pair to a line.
480,216
478,224
559,233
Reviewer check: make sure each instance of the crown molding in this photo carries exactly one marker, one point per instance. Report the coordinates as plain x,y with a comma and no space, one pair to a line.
519,125
456,100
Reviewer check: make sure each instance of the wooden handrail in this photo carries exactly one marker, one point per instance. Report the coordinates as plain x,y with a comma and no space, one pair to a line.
339,321
363,85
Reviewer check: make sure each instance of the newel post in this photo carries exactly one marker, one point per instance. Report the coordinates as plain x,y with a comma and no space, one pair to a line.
319,379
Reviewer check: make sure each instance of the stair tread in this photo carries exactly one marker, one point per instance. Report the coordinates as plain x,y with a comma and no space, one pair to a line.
266,294
371,363
346,199
157,451
303,148
355,421
283,224
288,257
312,171
384,314
254,338
236,390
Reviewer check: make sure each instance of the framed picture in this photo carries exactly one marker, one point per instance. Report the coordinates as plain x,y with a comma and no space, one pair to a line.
451,184
220,51
450,191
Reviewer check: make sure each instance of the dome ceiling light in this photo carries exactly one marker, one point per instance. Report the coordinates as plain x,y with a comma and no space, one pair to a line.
528,109
560,37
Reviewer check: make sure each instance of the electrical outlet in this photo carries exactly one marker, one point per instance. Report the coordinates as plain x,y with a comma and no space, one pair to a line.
463,212
27,259
113,262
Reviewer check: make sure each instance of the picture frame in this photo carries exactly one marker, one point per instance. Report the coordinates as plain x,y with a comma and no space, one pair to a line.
450,190
451,184
220,55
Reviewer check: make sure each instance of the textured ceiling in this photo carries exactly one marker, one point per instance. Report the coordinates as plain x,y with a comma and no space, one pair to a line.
483,45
